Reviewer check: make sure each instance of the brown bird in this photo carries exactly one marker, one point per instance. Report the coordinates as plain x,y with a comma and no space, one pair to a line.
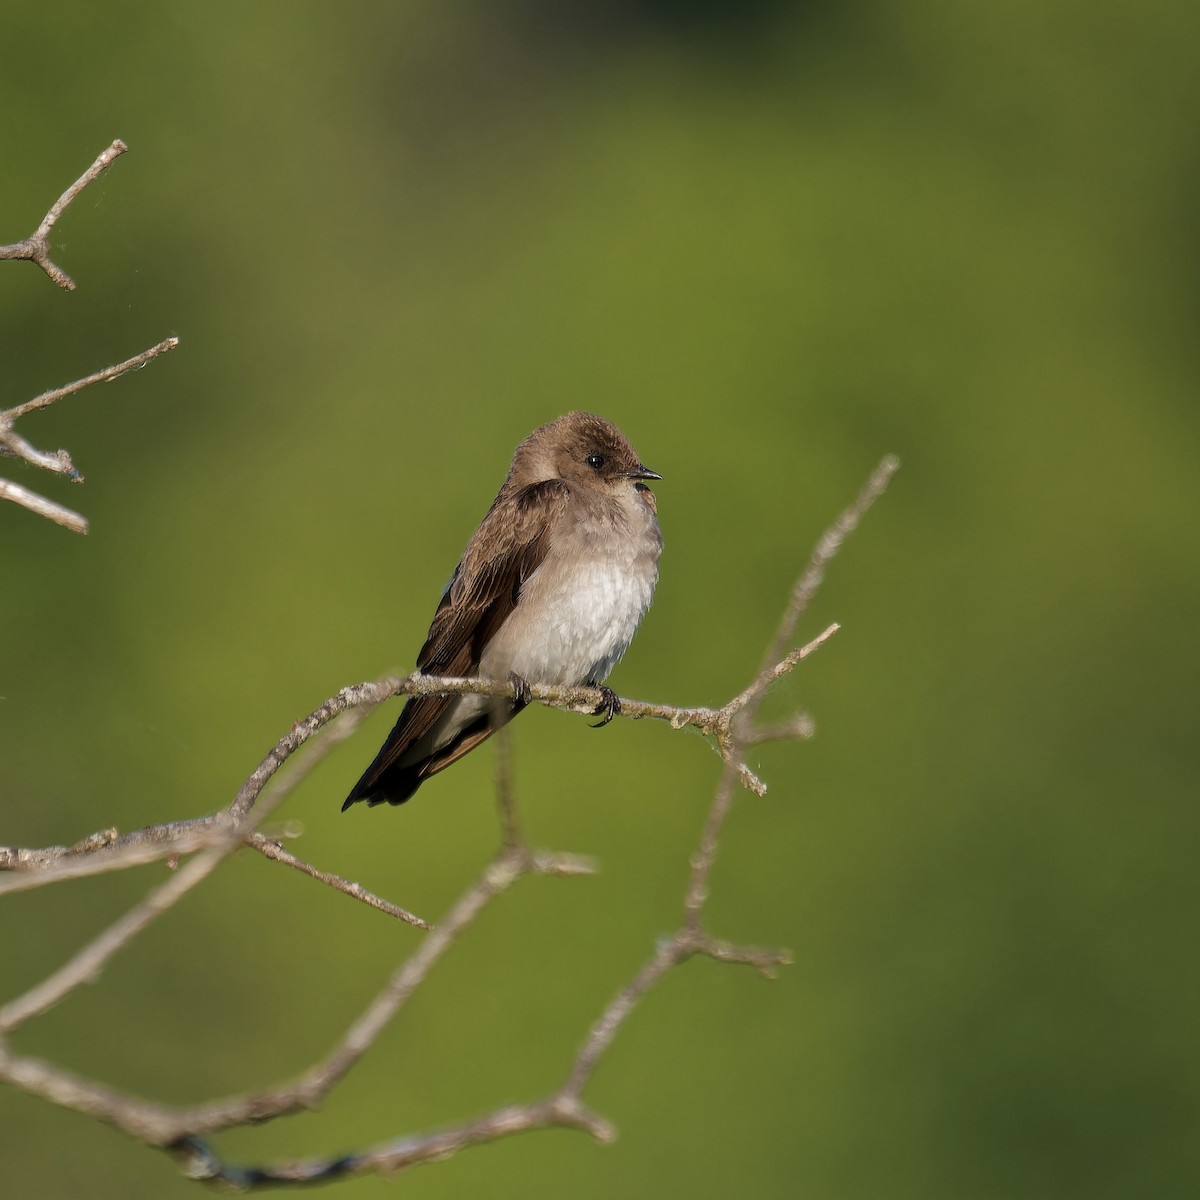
550,589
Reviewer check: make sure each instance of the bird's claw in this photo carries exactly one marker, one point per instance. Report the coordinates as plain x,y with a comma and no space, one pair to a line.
610,706
521,692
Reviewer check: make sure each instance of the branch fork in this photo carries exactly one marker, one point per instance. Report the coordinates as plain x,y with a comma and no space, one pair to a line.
182,1131
36,249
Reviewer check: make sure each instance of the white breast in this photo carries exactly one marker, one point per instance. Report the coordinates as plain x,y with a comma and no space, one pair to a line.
578,612
585,622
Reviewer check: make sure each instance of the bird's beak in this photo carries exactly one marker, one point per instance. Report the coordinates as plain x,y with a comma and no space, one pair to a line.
644,473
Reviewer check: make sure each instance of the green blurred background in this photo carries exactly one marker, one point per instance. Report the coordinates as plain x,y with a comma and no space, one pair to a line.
772,242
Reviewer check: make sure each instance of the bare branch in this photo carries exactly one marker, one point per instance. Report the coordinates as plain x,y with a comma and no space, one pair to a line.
226,832
362,698
739,732
702,860
36,247
765,961
200,1162
139,1118
59,461
164,1125
274,850
506,802
86,965
57,513
155,842
100,853
32,868
831,542
105,375
181,1130
668,954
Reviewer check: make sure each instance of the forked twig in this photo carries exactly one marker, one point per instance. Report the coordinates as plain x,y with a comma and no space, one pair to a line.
36,247
182,1130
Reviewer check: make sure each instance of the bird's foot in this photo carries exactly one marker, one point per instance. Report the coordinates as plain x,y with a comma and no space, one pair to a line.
521,693
610,706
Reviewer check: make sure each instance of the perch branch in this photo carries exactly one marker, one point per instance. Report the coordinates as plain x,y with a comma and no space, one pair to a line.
106,851
181,1130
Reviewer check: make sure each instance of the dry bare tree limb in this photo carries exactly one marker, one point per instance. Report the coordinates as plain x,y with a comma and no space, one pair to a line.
829,544
108,851
36,247
226,833
86,965
57,513
269,848
511,837
58,461
200,1162
315,1084
776,662
565,1109
358,700
140,1118
166,1125
23,869
100,853
62,464
181,1130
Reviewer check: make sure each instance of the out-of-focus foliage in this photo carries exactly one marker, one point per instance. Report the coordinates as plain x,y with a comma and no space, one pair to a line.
772,242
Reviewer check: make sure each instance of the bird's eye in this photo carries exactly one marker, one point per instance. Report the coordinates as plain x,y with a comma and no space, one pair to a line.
595,461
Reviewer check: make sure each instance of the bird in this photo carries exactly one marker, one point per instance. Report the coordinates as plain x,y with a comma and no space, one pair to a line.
549,590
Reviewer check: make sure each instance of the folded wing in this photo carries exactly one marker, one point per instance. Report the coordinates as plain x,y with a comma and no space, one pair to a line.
434,731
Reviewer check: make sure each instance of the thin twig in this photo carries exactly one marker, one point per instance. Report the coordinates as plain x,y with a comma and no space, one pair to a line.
104,375
58,513
181,1130
272,849
745,705
96,854
22,869
85,966
227,833
199,1162
702,861
36,247
30,868
165,1125
506,803
58,461
830,543
667,955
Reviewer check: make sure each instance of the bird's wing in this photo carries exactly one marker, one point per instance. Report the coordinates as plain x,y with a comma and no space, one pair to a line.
510,545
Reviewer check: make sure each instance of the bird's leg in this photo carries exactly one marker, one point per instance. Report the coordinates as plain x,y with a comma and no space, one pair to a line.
610,705
521,689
